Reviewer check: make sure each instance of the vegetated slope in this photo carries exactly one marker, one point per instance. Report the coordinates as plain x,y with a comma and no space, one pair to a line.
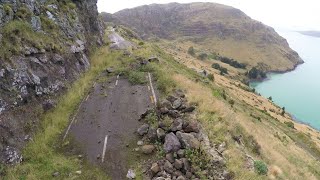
218,28
44,44
230,110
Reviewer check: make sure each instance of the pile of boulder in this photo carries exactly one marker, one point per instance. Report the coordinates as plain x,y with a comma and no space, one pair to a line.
174,137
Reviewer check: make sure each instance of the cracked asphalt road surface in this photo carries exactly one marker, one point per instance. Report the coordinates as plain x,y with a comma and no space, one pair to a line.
107,121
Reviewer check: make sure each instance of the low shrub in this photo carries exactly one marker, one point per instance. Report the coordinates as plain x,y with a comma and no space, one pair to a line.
202,56
289,124
136,77
211,77
260,167
191,51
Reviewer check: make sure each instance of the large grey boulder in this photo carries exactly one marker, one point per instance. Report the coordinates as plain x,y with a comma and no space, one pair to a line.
188,141
177,125
171,143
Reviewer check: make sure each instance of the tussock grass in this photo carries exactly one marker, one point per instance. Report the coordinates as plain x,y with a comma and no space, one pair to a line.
42,156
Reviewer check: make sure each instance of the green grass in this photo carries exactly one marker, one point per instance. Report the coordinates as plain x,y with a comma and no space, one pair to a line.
42,156
137,77
17,34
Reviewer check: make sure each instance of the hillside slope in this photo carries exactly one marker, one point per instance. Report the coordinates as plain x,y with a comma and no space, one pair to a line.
217,28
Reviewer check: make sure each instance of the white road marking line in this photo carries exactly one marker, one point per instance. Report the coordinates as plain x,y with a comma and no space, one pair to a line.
87,97
104,148
152,90
94,85
73,118
117,79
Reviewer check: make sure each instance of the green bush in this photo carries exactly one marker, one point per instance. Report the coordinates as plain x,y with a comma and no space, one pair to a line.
23,13
141,43
136,77
199,160
221,69
211,77
202,56
256,73
191,51
215,66
260,167
289,124
231,102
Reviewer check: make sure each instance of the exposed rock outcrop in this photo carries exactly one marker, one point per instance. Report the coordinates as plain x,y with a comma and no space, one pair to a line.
44,45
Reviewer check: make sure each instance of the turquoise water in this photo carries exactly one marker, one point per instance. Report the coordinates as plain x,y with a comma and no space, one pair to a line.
298,91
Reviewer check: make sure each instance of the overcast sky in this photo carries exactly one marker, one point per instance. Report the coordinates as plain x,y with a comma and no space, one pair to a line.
289,14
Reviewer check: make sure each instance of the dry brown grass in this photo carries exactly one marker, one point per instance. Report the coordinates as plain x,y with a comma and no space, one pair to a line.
286,159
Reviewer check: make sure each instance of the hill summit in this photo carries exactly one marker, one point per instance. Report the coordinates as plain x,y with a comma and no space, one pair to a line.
219,28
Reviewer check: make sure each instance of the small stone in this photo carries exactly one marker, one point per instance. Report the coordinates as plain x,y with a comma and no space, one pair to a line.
110,70
178,164
177,125
222,147
177,173
143,129
55,174
164,110
188,141
147,149
168,167
188,109
181,153
188,174
155,168
161,133
186,164
176,104
181,178
78,172
171,99
80,156
153,59
166,104
170,157
131,174
174,113
193,126
48,105
152,135
140,143
98,156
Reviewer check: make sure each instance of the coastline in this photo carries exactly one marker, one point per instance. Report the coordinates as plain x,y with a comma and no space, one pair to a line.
290,114
260,80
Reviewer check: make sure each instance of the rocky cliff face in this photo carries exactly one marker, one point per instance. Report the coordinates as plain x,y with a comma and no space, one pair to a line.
44,45
222,29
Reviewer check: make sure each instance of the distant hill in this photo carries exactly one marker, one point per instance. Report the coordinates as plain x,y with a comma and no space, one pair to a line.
311,33
218,28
